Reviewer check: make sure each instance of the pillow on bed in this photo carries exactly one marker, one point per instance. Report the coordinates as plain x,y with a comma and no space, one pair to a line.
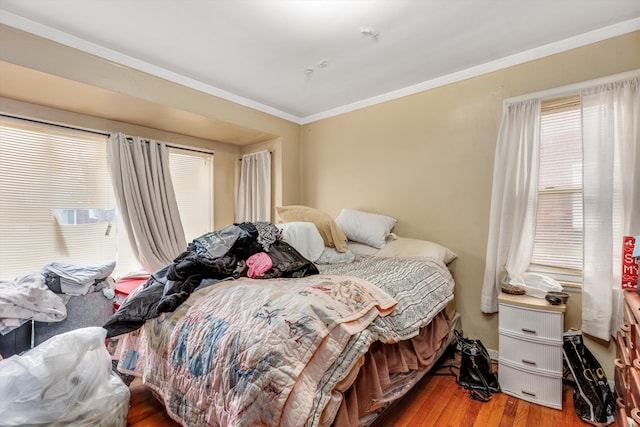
361,248
331,256
364,227
331,233
407,247
304,237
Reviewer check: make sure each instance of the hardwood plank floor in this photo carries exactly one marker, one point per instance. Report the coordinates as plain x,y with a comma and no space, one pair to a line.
435,401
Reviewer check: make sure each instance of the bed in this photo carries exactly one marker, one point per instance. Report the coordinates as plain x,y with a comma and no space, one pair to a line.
330,342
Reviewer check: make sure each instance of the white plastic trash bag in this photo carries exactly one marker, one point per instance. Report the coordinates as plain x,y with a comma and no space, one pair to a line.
65,381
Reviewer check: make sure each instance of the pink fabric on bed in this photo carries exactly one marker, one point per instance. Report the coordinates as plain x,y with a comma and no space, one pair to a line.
364,396
258,264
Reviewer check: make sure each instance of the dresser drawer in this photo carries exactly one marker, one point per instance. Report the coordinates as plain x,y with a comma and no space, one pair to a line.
531,354
622,419
622,349
621,381
631,325
631,330
629,316
632,399
533,386
542,325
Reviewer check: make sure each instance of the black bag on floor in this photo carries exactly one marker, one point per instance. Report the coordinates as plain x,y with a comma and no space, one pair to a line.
475,373
592,397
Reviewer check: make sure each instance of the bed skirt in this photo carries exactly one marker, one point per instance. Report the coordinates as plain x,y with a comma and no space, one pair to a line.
386,373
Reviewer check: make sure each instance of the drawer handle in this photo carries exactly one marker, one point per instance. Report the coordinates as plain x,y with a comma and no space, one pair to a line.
624,327
635,414
528,393
529,362
529,331
619,363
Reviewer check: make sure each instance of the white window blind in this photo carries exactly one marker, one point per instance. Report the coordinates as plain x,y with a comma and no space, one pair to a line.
559,221
56,197
192,178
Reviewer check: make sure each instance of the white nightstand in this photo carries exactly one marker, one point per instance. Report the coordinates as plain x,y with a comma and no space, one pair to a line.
530,347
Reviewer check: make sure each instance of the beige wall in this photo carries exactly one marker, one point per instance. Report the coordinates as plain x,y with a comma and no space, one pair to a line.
427,159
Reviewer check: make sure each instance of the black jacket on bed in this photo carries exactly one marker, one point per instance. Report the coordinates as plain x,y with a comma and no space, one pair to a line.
209,259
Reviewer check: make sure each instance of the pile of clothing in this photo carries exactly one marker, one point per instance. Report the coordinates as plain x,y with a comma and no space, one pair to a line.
43,296
28,298
252,249
77,279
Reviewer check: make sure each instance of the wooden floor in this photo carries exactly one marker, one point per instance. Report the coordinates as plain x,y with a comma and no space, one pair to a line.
145,410
438,401
435,401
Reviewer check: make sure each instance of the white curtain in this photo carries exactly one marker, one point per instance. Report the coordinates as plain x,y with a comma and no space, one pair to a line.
254,194
140,175
513,200
611,180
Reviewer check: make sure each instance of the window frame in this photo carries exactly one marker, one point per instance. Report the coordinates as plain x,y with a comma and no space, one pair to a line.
567,276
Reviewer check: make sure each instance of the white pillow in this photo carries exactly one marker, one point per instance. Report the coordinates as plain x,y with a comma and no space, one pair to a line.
364,227
304,237
407,247
332,256
361,248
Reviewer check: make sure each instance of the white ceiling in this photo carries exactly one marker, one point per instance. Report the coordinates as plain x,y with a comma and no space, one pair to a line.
303,60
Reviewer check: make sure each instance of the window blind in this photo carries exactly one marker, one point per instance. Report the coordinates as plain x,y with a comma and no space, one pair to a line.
56,197
192,178
559,220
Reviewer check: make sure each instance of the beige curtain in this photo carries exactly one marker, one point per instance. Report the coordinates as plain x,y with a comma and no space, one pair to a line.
254,194
141,180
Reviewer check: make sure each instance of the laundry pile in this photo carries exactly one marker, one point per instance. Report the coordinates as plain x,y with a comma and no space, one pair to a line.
42,296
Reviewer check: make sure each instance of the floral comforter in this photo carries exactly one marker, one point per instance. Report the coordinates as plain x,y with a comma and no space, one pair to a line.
251,352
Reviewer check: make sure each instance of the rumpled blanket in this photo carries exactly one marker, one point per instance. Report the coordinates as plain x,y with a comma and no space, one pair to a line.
28,298
251,352
422,288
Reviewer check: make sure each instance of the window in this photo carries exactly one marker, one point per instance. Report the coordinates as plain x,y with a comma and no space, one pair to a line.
559,239
557,248
56,197
192,178
589,217
58,203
